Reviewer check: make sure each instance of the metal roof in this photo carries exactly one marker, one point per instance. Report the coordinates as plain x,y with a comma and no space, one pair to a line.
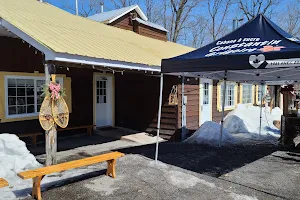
67,34
153,25
110,16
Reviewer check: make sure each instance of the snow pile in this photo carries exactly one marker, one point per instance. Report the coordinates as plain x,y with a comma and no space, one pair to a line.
14,158
245,119
209,133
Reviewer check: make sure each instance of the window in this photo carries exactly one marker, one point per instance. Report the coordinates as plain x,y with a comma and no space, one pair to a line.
101,91
229,96
247,93
23,95
260,89
206,94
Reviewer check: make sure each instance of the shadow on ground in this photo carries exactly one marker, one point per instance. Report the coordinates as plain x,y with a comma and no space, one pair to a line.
204,159
71,142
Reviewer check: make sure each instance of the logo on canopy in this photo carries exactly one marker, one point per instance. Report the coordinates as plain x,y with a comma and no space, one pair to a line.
256,61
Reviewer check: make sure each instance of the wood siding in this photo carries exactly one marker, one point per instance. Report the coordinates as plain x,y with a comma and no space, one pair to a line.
151,32
126,23
137,98
17,56
191,90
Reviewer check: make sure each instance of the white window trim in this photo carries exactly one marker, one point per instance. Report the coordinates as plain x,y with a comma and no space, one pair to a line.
252,91
7,116
221,94
258,102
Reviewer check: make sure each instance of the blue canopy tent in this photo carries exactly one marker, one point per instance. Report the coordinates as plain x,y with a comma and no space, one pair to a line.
257,52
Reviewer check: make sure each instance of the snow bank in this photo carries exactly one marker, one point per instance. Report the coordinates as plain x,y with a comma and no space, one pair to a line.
245,119
14,158
209,133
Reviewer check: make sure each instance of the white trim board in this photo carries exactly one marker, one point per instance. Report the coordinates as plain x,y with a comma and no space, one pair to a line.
35,78
138,10
50,55
63,57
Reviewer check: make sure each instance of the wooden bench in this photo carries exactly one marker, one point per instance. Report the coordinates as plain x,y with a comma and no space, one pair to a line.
32,135
3,183
89,129
38,174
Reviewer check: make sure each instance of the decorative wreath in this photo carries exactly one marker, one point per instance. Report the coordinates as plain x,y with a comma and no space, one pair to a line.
54,109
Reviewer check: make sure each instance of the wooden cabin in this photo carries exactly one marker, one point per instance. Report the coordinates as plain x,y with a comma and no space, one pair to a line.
115,82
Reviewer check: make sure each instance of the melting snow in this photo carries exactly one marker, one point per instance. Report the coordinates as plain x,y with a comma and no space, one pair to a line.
209,133
245,119
15,158
241,125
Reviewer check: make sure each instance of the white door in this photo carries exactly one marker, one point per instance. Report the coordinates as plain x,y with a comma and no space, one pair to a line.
104,101
206,87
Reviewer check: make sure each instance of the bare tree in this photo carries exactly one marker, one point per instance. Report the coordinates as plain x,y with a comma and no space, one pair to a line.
252,8
198,32
181,10
85,7
123,3
289,20
153,10
217,11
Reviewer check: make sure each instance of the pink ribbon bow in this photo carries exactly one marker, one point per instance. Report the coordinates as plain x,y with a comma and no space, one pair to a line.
55,89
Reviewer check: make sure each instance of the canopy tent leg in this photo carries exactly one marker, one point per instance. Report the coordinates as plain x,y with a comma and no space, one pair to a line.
183,113
261,102
159,115
223,108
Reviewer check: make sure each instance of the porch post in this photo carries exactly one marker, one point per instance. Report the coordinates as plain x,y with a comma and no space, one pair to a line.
183,111
223,108
159,115
51,135
261,102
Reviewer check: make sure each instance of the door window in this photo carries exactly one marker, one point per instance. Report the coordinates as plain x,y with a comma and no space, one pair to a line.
206,93
102,91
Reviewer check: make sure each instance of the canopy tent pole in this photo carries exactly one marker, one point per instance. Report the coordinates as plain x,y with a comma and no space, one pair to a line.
261,102
159,115
183,111
223,108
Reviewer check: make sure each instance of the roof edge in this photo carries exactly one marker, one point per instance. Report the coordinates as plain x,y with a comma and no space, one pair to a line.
138,10
69,58
51,55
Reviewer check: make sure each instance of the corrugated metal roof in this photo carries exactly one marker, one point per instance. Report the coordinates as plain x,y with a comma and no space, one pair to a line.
63,32
109,16
151,24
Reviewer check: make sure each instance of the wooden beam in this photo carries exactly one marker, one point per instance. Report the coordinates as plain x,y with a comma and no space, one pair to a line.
3,183
51,136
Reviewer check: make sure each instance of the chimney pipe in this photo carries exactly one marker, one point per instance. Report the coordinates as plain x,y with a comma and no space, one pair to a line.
76,6
102,7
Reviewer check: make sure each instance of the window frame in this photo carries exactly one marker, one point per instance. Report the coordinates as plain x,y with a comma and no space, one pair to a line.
219,95
242,91
258,102
35,78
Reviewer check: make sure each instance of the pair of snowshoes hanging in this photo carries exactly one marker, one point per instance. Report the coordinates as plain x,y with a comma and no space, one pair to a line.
54,109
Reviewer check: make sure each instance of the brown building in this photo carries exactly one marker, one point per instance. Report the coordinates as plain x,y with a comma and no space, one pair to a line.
110,74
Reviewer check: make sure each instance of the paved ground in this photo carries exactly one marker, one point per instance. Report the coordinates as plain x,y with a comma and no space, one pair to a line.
106,140
191,172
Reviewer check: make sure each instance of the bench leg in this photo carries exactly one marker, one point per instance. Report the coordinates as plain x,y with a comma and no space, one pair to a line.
89,131
36,188
33,140
111,168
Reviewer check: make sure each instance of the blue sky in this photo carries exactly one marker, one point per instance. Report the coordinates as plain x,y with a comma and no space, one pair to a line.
277,11
61,4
